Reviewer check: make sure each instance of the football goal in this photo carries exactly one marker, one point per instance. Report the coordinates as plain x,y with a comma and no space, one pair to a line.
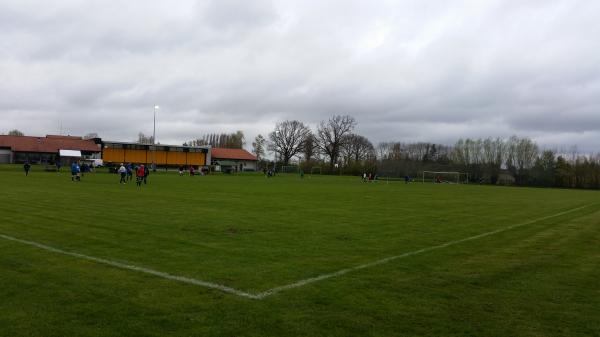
289,169
439,177
315,170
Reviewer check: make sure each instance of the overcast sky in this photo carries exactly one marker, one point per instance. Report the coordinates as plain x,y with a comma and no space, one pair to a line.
406,70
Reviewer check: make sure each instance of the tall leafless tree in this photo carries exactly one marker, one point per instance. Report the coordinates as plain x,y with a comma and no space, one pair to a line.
143,139
258,147
309,148
287,140
330,136
357,148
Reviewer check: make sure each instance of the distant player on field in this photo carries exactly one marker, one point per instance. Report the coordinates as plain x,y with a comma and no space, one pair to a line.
129,169
123,173
26,167
146,174
75,170
139,175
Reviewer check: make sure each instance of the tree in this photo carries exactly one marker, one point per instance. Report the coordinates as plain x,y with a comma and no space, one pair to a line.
309,148
91,135
330,136
357,148
383,150
143,139
493,150
288,138
15,132
196,142
234,140
258,146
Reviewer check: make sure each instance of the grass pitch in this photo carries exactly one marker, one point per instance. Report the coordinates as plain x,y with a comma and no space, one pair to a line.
255,234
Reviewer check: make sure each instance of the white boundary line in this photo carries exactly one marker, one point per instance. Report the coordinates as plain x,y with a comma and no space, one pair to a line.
182,279
279,289
396,257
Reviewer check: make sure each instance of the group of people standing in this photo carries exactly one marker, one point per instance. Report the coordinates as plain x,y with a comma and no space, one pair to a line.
368,177
191,170
126,173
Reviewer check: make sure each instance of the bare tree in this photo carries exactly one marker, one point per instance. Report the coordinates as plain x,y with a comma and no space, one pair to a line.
357,148
197,142
383,150
493,150
143,139
91,135
288,138
235,140
258,146
330,136
309,148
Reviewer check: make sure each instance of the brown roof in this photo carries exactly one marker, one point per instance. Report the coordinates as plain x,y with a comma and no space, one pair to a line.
47,144
235,154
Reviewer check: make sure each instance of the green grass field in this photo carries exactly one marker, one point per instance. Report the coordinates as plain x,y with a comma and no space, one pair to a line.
538,278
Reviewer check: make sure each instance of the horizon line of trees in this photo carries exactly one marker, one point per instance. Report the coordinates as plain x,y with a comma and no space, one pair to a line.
335,145
514,160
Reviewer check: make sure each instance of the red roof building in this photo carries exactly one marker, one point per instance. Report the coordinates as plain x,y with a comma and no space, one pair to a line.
17,149
233,159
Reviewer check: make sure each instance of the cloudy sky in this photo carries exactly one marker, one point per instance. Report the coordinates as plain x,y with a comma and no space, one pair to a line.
419,70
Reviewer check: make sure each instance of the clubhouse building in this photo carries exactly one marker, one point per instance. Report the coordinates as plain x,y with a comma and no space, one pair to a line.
51,149
46,150
233,160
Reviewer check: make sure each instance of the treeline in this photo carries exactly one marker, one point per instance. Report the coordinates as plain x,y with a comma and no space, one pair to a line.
337,149
333,146
224,140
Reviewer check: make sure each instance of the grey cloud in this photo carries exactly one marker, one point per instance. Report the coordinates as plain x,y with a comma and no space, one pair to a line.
427,71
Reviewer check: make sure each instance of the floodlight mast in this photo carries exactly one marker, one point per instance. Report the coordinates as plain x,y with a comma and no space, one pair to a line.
156,107
275,163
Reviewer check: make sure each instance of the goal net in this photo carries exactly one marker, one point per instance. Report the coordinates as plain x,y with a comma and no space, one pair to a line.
315,170
438,177
289,169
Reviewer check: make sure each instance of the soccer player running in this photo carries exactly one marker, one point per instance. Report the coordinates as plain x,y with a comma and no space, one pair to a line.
123,173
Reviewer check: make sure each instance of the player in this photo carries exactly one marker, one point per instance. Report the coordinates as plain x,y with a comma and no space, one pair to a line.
26,167
139,175
123,173
75,170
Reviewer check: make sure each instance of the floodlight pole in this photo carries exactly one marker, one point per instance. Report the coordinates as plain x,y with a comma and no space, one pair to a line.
275,164
154,140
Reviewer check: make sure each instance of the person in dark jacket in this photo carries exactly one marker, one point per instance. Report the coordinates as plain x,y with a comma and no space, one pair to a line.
146,174
129,168
26,167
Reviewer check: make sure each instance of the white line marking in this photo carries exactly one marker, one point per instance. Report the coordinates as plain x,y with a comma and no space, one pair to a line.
275,290
341,272
183,279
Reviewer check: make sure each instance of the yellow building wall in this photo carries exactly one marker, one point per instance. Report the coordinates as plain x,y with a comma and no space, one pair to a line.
113,155
161,157
176,158
135,156
196,158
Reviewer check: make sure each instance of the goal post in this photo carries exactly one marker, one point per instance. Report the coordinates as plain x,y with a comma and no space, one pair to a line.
289,169
452,177
315,170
